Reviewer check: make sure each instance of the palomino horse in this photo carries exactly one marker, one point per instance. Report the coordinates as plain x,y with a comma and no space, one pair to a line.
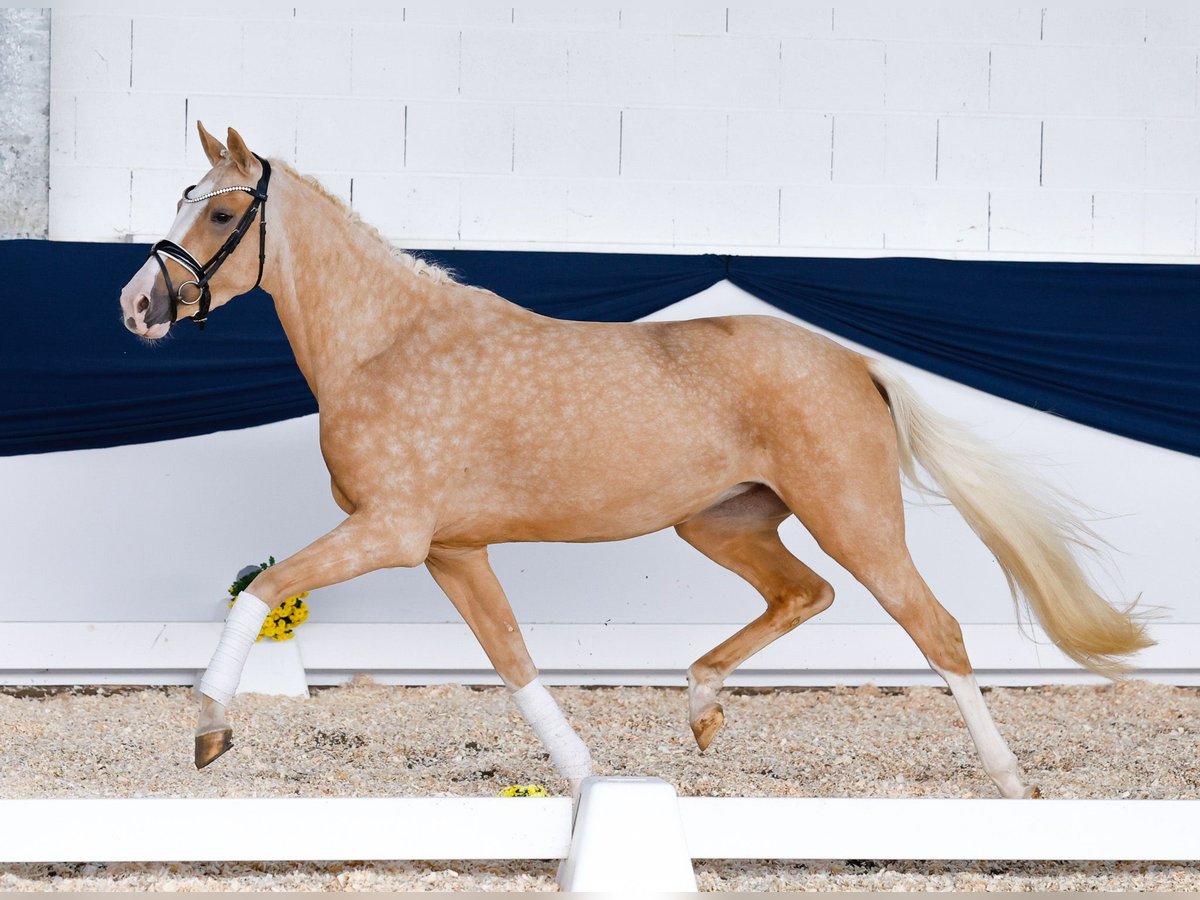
451,419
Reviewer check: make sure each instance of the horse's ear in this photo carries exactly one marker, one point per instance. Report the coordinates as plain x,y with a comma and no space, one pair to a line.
213,148
240,154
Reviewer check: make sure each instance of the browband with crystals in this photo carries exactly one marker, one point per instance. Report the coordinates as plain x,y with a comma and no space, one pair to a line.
202,274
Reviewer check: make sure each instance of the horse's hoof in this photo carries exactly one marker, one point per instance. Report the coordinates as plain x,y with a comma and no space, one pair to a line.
706,727
1032,793
211,745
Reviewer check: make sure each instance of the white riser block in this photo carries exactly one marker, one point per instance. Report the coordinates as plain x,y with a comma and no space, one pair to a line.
628,836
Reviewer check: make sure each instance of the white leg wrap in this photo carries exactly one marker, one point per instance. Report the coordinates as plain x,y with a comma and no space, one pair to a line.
998,760
568,753
242,626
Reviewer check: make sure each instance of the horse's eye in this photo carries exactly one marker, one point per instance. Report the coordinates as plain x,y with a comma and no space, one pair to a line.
222,218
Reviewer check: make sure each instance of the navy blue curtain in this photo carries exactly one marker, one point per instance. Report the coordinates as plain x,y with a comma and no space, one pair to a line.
1109,345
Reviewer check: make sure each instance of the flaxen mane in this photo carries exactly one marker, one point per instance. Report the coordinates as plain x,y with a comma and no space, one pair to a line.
418,265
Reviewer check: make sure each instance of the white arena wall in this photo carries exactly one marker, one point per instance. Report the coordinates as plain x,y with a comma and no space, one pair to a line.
155,532
1006,132
1051,129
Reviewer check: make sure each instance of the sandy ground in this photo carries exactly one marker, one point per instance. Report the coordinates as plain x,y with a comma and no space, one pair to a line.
1130,741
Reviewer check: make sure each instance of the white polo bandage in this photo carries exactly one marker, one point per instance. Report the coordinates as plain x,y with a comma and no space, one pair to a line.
568,753
242,626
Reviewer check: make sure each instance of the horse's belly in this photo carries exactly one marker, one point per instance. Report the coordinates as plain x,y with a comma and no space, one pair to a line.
605,510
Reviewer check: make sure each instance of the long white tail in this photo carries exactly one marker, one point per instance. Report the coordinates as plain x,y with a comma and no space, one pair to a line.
1027,524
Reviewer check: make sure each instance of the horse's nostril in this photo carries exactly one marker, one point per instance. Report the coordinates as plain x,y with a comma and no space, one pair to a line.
130,324
143,303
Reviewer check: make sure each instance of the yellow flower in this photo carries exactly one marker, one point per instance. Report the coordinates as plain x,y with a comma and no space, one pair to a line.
524,790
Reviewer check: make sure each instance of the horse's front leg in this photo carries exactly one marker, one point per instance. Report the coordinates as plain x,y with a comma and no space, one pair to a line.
359,545
469,582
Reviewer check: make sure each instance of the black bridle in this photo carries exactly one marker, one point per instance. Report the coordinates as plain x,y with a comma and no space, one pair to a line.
202,274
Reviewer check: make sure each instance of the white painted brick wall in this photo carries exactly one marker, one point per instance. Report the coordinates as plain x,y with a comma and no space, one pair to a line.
554,140
997,151
1094,154
765,126
833,75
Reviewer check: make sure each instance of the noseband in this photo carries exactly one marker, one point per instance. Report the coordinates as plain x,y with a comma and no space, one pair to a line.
202,274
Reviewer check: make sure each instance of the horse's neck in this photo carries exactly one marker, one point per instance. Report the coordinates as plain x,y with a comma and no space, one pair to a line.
340,293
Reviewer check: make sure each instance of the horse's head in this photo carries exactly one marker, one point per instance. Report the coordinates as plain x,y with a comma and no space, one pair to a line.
219,225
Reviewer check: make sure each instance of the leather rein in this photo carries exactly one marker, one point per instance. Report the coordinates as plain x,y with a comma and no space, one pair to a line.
202,274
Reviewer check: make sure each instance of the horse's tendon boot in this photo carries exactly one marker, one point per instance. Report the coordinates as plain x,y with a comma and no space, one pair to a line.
211,745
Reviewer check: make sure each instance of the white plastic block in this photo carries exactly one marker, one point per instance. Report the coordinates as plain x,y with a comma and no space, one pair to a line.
1094,23
89,203
604,211
628,837
267,124
1094,154
718,216
508,64
781,19
404,61
1039,220
409,208
945,20
676,16
832,216
1110,81
779,146
726,71
1172,153
832,75
938,78
989,151
350,135
274,667
128,129
599,15
514,210
89,52
297,58
567,140
452,138
166,55
620,67
673,143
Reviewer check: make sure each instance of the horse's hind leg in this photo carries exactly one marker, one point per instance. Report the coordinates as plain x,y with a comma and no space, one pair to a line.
467,578
906,597
742,535
848,496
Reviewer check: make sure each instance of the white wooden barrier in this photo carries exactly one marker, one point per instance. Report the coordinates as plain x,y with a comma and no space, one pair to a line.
70,830
817,654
